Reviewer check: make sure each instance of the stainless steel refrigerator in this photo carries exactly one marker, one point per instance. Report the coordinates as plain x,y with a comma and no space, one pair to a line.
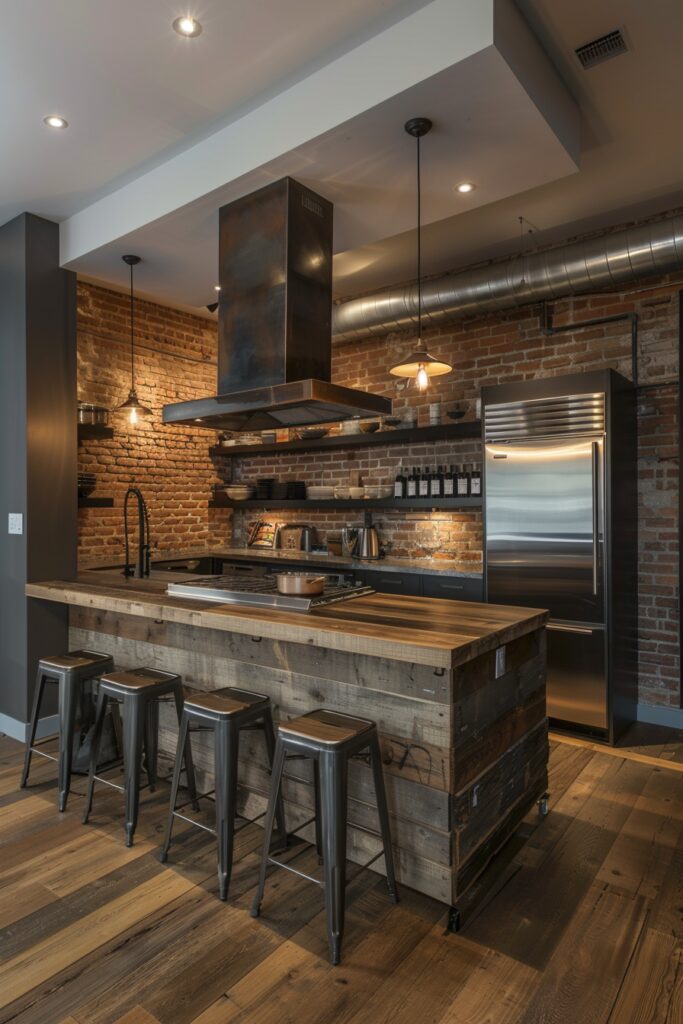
560,528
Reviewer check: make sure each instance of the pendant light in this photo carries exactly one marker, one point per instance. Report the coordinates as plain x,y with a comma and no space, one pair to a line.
133,407
419,364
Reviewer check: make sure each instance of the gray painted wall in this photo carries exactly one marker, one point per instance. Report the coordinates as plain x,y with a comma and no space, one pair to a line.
37,449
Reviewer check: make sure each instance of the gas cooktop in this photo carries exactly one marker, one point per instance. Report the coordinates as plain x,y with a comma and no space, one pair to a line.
262,591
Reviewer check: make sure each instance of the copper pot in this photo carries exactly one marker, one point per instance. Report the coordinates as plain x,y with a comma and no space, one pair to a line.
300,583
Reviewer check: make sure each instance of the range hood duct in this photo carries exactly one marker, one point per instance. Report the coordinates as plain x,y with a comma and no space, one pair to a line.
274,319
597,264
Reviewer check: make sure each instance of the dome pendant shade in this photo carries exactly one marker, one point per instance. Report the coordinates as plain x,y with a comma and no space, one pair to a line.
417,360
133,407
419,364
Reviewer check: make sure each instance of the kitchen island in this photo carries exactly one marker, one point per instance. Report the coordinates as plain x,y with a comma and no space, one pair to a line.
457,690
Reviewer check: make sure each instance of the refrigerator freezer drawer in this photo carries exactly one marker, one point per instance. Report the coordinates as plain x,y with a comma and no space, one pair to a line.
577,676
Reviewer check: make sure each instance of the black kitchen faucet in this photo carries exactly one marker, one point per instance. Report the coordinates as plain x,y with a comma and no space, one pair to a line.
142,568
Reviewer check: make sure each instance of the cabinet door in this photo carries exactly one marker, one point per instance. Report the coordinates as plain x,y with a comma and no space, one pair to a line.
455,588
393,582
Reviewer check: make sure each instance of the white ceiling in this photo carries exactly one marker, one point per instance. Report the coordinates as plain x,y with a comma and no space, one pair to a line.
334,82
631,153
134,92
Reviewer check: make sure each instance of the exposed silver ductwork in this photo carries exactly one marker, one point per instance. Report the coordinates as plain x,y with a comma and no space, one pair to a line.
597,264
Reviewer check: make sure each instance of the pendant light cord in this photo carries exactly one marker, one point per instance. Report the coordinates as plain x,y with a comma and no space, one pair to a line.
132,332
419,248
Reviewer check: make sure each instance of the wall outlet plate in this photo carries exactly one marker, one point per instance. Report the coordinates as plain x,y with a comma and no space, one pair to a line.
15,522
500,662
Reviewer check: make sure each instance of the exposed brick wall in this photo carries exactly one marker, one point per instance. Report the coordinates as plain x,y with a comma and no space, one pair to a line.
172,466
175,360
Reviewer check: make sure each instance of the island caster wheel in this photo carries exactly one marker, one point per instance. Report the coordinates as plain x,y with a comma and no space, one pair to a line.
543,805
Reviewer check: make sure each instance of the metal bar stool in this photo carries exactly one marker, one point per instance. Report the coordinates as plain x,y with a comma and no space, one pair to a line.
226,713
69,672
139,689
330,739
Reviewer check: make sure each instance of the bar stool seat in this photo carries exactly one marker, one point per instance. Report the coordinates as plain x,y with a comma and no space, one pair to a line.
69,672
330,738
328,728
226,712
139,690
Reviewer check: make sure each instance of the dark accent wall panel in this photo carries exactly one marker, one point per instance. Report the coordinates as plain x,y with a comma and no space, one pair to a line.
37,448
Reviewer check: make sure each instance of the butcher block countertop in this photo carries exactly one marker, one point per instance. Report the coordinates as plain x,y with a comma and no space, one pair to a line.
420,630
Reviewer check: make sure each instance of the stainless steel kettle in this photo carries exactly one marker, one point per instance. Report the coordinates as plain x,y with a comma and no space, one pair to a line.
361,541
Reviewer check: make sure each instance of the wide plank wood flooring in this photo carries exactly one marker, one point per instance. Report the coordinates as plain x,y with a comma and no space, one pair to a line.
578,920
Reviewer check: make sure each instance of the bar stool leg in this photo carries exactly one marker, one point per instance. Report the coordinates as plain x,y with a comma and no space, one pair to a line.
333,791
183,742
152,742
383,810
226,741
276,780
269,734
95,752
134,718
318,813
37,701
186,748
68,687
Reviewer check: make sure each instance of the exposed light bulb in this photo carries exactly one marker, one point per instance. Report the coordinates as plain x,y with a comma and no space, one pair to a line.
133,415
187,26
422,378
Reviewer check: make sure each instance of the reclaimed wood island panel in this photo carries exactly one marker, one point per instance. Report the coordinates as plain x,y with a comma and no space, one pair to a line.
465,753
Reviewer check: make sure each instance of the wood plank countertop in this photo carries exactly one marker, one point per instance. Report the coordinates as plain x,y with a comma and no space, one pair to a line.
420,630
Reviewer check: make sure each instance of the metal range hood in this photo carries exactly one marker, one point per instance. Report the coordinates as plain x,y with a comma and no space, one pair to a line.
275,319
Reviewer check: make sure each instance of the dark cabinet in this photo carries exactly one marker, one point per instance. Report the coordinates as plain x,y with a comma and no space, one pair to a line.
453,587
392,582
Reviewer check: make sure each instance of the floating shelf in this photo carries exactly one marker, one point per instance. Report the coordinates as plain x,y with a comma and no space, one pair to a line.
413,435
95,502
86,431
435,504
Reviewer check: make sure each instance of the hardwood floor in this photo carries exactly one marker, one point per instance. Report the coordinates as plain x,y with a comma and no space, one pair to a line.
579,920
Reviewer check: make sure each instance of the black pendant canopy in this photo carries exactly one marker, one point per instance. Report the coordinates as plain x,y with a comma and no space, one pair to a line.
419,365
132,407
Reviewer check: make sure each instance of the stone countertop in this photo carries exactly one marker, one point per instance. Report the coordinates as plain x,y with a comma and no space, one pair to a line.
420,566
414,630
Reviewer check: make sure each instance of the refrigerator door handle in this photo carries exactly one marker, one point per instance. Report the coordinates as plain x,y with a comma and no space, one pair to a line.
595,455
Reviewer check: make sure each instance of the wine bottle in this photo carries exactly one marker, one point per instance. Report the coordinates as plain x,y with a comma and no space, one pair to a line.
400,484
449,483
423,490
475,483
436,484
411,484
463,484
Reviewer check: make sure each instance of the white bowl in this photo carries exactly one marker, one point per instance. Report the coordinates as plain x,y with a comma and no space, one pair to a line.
342,493
239,492
356,492
319,492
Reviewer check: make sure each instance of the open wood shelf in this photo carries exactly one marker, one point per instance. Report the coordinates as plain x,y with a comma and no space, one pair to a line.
413,435
95,502
86,431
408,504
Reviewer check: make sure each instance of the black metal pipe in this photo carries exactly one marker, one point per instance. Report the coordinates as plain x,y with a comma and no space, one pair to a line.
548,329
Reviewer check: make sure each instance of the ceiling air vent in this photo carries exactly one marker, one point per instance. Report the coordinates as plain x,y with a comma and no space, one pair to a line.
609,45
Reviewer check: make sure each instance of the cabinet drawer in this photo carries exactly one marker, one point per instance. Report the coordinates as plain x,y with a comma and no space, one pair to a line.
453,587
393,582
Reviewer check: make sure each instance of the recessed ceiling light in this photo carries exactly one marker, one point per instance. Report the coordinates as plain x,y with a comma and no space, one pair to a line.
464,187
187,26
55,121
216,287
